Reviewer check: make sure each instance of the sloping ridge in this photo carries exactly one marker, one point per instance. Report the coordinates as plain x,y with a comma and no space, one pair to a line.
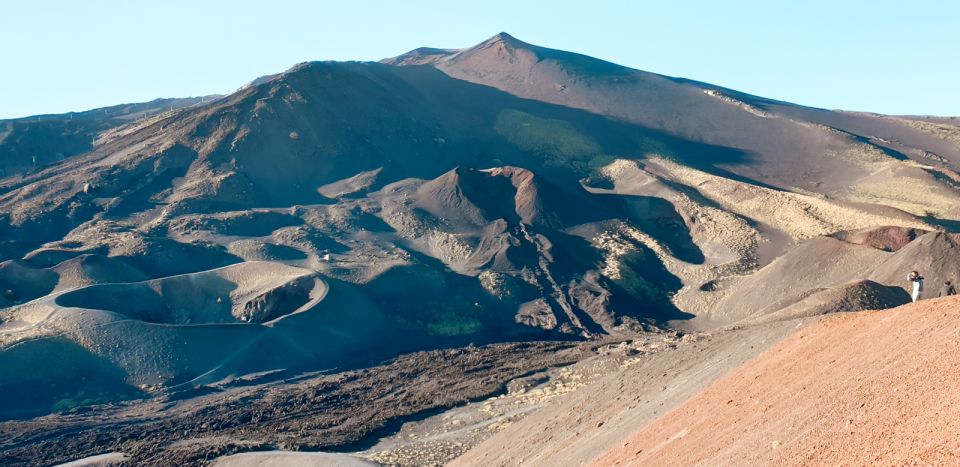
864,388
811,144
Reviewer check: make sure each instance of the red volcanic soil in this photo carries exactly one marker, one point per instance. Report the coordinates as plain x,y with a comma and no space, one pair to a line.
856,389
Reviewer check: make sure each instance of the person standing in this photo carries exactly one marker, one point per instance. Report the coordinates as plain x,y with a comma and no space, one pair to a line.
917,281
947,290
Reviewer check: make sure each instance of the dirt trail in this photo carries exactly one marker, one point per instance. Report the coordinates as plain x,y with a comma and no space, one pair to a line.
857,389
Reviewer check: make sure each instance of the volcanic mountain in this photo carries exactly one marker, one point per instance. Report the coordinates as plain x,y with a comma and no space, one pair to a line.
341,213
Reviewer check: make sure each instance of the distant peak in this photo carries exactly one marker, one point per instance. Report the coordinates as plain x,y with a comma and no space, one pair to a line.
506,38
432,56
419,56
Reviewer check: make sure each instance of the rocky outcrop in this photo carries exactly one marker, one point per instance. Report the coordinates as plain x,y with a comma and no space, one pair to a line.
276,302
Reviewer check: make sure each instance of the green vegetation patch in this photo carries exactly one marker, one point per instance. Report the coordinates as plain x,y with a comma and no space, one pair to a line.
556,139
449,323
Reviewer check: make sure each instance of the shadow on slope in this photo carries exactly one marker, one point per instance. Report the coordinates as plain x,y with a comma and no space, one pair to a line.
660,219
520,223
54,375
20,283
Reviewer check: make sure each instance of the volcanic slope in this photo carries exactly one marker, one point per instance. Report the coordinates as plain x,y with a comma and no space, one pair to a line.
32,143
833,392
338,214
815,150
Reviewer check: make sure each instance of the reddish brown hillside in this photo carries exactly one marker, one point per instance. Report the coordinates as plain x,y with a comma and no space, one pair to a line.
857,389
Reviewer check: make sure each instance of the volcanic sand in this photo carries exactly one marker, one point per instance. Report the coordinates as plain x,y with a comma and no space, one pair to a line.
290,459
864,388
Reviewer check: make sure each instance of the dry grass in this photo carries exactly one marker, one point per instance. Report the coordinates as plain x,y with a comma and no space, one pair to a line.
728,241
940,130
800,216
908,195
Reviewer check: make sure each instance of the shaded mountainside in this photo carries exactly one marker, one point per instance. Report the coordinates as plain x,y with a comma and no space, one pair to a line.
338,214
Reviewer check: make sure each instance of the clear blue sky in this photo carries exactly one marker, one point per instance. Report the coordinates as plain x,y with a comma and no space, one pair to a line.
900,57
